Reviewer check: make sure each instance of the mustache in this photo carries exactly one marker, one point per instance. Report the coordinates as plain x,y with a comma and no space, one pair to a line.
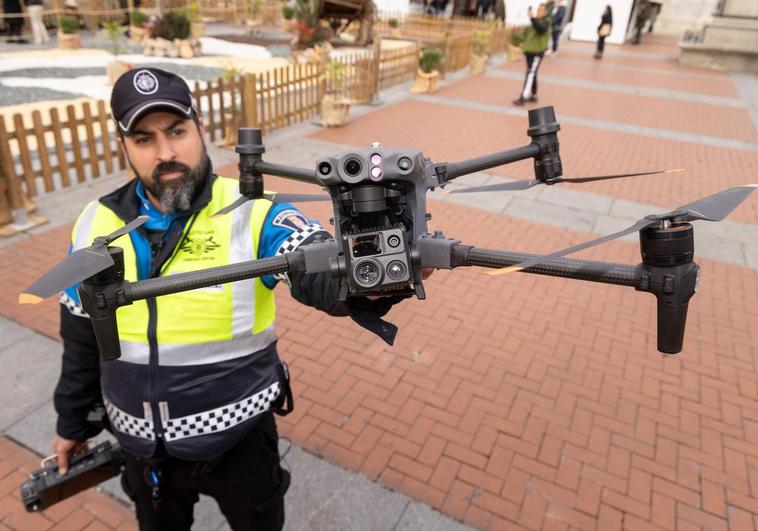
169,167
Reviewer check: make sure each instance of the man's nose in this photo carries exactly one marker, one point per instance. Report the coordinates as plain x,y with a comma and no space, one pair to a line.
165,149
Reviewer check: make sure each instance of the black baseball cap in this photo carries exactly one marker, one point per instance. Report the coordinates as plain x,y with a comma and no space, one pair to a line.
144,90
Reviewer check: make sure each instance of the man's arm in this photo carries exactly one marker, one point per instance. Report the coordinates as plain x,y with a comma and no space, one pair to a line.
78,389
540,25
286,229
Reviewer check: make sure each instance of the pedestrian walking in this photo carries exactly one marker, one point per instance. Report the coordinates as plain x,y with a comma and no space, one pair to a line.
34,8
14,20
644,13
603,30
534,47
558,17
500,10
482,8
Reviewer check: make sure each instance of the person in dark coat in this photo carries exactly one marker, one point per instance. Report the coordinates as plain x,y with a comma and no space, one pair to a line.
14,23
559,17
603,30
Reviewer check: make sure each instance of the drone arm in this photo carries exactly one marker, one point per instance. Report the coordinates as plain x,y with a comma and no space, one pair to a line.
457,169
155,287
289,172
590,270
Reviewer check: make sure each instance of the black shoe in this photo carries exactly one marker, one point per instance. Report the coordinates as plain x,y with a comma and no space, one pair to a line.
533,99
598,56
519,102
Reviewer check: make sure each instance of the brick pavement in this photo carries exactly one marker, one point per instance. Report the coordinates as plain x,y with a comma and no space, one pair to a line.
523,402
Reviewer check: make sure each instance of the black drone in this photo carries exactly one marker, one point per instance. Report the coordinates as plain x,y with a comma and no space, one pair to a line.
381,244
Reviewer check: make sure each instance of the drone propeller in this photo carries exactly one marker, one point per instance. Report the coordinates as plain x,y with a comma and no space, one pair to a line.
715,207
77,266
528,183
275,198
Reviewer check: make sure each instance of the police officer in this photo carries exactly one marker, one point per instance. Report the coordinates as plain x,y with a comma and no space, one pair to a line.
192,396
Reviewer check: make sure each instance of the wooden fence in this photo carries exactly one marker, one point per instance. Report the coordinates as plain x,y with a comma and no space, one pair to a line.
59,150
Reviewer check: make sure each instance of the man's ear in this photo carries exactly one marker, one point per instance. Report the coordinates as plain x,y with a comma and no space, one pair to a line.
201,126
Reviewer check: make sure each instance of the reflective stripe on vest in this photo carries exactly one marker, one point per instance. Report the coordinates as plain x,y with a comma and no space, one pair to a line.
221,418
215,323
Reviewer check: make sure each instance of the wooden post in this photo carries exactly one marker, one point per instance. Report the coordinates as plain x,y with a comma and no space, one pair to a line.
57,8
130,8
376,73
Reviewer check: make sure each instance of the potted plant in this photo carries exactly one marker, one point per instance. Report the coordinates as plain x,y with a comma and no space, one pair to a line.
394,26
428,74
518,35
334,106
288,18
480,52
114,32
254,22
137,21
310,43
197,28
68,36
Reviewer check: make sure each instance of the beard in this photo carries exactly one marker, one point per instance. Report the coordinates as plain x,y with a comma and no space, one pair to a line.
176,194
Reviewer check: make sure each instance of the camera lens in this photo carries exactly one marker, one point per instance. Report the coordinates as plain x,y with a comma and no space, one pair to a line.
396,270
367,273
404,163
353,167
393,241
324,168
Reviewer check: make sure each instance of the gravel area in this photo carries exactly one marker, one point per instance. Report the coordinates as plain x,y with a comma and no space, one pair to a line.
54,71
17,95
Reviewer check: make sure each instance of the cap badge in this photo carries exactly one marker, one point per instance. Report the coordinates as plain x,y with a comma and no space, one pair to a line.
145,82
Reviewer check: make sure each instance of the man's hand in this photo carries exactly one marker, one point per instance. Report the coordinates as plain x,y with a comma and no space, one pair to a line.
64,448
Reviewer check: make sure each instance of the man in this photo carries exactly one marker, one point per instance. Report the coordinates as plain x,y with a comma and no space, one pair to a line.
191,398
534,46
558,16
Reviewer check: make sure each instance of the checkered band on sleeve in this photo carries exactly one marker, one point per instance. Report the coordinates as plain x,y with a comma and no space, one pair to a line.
129,424
294,241
221,418
71,305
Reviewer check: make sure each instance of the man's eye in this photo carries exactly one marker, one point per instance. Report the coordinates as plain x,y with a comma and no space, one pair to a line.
142,140
177,132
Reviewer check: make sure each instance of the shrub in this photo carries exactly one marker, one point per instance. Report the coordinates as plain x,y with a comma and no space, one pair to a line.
392,23
172,26
114,31
288,12
335,74
482,42
430,60
69,24
138,18
518,34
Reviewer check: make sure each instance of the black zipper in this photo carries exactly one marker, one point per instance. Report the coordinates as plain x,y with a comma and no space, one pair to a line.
152,330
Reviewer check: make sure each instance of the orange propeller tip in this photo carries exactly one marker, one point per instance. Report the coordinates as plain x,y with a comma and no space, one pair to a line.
754,185
28,298
504,271
675,170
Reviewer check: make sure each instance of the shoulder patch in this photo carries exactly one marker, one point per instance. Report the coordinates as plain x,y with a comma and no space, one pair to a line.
290,219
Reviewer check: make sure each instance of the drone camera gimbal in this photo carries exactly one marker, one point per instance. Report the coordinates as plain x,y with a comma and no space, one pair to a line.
382,244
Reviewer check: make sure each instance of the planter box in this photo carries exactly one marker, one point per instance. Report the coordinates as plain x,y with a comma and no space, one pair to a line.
116,69
69,41
334,110
137,33
478,63
426,83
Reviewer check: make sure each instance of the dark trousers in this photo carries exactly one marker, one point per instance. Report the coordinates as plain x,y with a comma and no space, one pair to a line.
246,481
600,45
533,62
556,38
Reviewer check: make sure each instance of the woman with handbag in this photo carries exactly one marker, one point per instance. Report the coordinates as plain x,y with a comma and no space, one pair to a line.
603,30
